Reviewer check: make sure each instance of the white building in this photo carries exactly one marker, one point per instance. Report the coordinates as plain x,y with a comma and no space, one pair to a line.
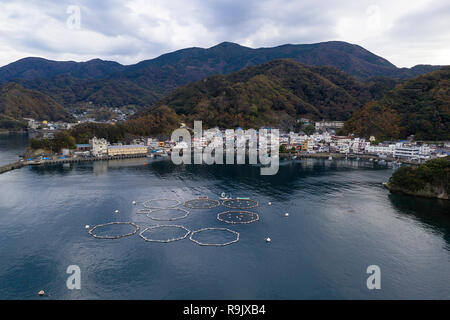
403,151
99,147
152,143
381,149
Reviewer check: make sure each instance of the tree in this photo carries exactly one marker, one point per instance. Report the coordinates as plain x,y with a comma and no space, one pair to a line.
309,129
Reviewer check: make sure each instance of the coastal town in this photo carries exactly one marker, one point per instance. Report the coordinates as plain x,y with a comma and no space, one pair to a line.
321,142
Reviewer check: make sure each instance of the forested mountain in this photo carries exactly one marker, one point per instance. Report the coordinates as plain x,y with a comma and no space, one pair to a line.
39,68
111,84
230,85
17,103
275,93
419,107
278,92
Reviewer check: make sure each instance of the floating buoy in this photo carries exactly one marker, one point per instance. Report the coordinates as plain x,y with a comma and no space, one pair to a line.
41,293
270,203
286,214
134,202
117,211
268,240
87,226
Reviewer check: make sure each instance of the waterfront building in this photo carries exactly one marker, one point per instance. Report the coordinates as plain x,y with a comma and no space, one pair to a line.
404,151
99,147
32,124
127,150
381,149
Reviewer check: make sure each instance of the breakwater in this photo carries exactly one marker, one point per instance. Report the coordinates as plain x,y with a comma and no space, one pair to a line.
20,164
11,166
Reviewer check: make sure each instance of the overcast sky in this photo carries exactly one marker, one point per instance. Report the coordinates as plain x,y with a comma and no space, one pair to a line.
406,32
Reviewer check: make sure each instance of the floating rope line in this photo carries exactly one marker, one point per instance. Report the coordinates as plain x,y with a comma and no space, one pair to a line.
214,244
149,204
238,217
185,213
144,211
91,231
187,231
240,203
202,203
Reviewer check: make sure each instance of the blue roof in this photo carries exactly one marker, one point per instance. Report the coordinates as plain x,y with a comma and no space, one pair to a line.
83,145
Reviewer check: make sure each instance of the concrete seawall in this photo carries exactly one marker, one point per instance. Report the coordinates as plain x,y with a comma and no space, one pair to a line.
11,166
18,165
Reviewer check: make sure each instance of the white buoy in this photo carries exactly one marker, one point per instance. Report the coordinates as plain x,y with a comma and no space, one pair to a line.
270,203
134,202
41,293
286,214
268,240
117,211
87,226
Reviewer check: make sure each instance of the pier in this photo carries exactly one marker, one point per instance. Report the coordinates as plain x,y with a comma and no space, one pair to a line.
84,159
350,156
11,166
20,164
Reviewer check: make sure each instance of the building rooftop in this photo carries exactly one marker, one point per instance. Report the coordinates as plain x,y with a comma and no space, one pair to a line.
128,146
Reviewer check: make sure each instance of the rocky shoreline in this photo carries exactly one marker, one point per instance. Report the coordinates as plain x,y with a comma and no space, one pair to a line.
428,192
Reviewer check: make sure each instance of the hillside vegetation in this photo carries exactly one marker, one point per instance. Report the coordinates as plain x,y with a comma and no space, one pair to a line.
431,179
419,107
17,103
275,93
107,83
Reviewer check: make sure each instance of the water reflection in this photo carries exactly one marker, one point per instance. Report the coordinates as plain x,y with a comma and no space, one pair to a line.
434,214
11,146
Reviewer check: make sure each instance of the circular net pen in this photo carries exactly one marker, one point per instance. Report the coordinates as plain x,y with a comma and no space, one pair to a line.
202,203
153,228
223,244
238,217
161,203
99,226
168,214
240,203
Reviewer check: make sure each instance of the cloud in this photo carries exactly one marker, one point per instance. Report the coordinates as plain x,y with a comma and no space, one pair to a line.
406,32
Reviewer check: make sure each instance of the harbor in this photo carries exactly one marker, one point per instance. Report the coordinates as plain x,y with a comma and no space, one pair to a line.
283,156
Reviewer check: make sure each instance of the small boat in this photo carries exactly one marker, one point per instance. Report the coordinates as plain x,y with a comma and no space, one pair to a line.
330,158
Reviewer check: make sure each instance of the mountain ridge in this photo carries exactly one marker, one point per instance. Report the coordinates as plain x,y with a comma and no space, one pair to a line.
147,81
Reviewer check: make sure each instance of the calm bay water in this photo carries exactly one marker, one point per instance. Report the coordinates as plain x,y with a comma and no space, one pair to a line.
11,146
341,221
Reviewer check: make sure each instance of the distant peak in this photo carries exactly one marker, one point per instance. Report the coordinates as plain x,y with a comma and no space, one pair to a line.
227,44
